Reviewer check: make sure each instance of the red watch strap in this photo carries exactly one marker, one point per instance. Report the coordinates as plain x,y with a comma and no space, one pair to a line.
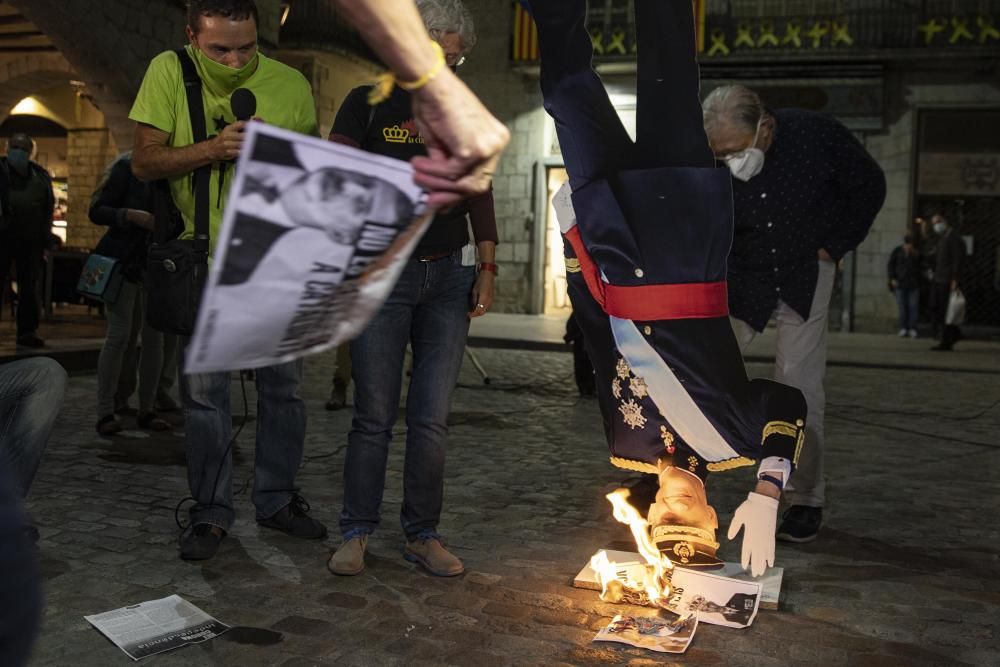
487,266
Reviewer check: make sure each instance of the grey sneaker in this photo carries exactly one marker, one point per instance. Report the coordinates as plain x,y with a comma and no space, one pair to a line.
349,559
430,553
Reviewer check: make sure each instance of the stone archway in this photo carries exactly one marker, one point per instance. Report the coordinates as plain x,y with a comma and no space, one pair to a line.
110,43
29,74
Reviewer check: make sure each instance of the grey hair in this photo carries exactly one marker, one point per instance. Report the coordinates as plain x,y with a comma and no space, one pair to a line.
733,105
446,16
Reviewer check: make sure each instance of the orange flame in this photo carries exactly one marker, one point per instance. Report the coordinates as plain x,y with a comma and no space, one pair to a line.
650,578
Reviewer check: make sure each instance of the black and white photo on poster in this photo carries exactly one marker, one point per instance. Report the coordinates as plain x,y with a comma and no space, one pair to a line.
312,241
715,600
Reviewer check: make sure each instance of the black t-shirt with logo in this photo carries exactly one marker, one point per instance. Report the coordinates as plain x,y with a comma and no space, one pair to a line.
389,129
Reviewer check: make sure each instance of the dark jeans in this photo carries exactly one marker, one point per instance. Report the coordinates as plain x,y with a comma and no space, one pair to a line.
27,259
31,393
208,425
428,308
908,302
20,585
950,333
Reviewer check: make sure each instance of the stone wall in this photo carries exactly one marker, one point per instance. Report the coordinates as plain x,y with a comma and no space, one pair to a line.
874,306
332,76
515,100
88,153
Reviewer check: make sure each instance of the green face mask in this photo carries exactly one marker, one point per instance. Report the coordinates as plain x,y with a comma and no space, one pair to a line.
219,78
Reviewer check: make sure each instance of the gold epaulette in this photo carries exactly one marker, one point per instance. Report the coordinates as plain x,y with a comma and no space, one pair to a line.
634,466
729,464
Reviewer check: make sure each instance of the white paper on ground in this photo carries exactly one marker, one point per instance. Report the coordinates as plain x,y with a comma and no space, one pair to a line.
156,626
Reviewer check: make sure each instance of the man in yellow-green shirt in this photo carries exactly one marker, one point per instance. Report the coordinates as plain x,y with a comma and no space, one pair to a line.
223,45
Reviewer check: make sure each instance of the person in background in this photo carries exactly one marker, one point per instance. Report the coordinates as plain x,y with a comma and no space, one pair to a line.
429,309
805,193
904,283
123,204
341,378
948,260
28,204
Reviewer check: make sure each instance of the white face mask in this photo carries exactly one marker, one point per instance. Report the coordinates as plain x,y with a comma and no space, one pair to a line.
939,227
747,163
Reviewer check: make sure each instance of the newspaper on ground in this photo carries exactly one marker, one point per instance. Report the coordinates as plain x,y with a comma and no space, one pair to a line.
156,626
716,600
313,239
666,633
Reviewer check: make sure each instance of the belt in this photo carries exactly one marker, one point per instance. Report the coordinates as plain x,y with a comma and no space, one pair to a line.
432,258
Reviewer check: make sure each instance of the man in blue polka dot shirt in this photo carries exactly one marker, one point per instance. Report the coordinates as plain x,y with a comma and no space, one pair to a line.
805,193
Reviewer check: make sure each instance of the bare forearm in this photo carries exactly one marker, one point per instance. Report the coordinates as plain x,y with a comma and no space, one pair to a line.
152,162
394,30
487,252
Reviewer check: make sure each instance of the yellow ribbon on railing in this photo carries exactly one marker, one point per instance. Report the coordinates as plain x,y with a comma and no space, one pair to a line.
617,42
931,29
793,34
718,38
841,34
959,30
597,39
744,36
986,29
767,36
818,32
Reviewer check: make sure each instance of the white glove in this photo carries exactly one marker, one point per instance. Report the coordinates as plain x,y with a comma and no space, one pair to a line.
758,516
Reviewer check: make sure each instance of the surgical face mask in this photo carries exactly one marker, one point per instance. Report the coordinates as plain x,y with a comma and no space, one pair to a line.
747,163
939,227
19,159
222,79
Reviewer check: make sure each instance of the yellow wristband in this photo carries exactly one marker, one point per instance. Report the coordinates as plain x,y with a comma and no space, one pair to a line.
383,86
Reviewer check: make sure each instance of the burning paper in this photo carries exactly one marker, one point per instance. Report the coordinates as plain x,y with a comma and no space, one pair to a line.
715,600
655,633
635,583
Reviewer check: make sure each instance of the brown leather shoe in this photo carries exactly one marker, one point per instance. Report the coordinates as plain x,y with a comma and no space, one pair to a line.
437,560
349,559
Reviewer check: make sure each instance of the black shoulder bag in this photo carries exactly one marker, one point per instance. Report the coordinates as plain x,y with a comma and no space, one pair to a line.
176,269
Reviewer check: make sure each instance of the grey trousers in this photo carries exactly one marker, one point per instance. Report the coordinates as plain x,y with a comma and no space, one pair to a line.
125,320
800,361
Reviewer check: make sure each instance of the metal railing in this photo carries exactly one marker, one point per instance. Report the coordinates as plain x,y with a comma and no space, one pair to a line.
807,28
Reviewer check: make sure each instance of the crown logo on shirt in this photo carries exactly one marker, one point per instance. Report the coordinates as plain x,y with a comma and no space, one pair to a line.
396,134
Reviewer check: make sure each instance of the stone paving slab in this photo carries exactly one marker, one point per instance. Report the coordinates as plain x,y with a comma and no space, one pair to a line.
907,571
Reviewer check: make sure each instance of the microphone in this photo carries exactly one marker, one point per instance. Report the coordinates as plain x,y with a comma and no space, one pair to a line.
243,103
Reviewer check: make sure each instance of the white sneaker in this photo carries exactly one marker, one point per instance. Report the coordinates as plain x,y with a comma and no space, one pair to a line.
902,333
913,333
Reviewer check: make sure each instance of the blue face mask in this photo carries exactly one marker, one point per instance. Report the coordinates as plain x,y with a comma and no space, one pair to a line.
19,159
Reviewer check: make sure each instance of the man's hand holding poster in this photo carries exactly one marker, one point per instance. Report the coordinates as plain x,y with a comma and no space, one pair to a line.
312,242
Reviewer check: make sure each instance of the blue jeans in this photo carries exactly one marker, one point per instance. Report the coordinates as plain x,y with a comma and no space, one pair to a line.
31,393
208,425
908,301
428,308
20,585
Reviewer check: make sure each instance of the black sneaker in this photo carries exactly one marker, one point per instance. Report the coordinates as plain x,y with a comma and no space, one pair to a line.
800,523
293,519
201,542
30,340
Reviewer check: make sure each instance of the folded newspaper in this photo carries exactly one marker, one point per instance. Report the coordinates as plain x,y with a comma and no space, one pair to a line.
667,633
156,626
313,239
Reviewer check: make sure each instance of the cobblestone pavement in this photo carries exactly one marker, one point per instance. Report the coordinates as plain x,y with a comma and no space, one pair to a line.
905,573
